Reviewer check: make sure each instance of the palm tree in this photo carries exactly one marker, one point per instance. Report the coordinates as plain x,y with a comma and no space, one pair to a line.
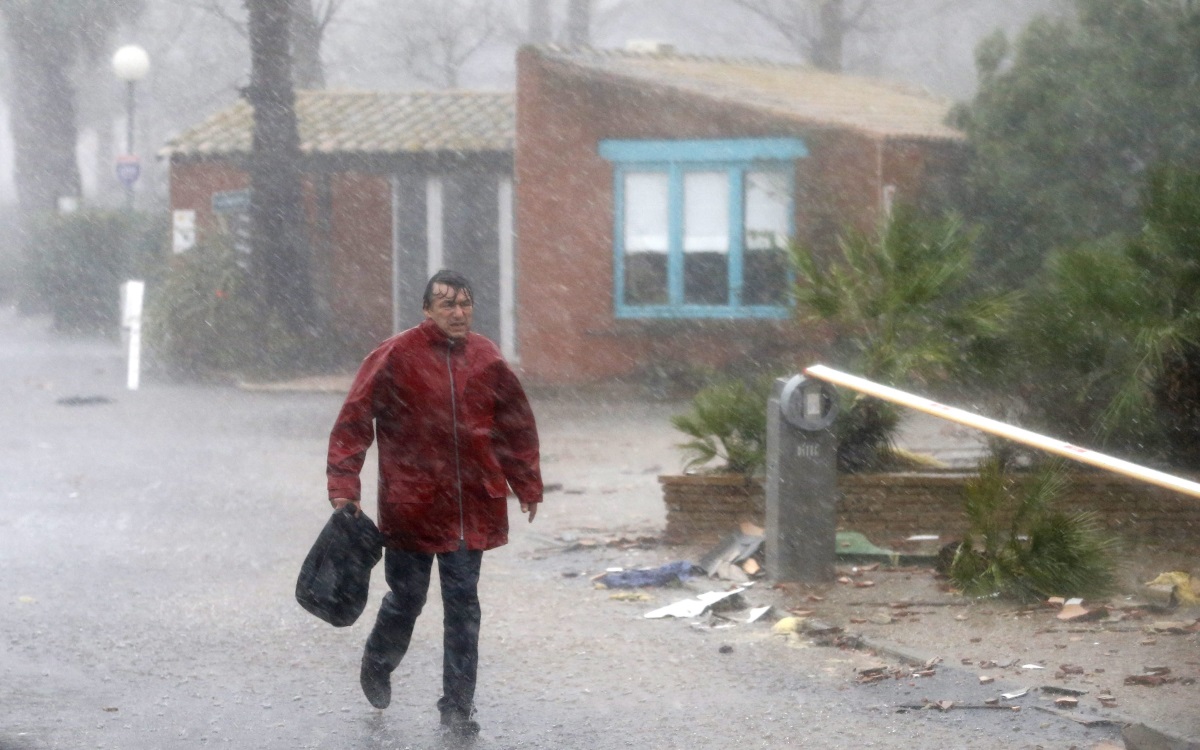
1019,545
727,423
1114,330
900,312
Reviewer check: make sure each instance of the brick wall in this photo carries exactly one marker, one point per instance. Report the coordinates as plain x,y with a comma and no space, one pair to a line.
887,508
192,185
361,240
566,328
357,274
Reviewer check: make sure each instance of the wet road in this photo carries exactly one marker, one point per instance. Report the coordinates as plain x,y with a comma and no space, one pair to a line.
149,546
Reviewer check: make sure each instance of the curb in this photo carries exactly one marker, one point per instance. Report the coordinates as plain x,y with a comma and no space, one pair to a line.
1135,734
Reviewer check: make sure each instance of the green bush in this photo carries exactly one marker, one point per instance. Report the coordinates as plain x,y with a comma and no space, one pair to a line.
1020,546
206,321
10,254
727,423
900,310
1110,333
75,264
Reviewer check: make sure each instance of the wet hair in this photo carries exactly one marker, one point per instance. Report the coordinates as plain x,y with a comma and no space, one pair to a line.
452,279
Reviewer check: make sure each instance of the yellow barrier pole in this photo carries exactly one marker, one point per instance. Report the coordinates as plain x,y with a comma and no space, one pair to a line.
1049,444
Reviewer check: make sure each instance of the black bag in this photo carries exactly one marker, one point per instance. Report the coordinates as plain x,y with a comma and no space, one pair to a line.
336,573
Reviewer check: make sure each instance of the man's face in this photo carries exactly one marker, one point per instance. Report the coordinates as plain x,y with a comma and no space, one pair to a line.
451,311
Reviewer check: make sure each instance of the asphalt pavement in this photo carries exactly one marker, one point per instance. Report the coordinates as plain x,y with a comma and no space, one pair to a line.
150,540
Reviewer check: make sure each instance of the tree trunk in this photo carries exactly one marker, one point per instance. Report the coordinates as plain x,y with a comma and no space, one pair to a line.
1177,394
831,34
579,17
307,70
540,23
279,250
43,116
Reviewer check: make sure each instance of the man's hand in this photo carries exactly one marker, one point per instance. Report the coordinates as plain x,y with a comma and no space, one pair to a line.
530,508
341,502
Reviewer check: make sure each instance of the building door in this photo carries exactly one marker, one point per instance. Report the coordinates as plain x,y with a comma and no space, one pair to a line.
463,221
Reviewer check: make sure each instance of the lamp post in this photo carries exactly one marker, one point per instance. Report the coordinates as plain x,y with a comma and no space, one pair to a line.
131,64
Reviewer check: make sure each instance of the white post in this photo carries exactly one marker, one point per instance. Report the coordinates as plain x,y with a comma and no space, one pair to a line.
1049,444
435,254
397,266
504,228
132,294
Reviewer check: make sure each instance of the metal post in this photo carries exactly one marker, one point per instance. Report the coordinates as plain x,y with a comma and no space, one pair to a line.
130,111
801,519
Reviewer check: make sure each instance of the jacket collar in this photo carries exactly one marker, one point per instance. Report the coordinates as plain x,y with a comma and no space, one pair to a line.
438,338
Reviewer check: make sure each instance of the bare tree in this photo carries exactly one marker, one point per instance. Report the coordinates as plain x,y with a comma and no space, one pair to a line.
435,38
46,40
541,23
278,240
816,29
579,21
306,31
310,19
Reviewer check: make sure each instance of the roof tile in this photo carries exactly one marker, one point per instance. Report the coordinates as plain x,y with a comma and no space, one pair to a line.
802,93
368,122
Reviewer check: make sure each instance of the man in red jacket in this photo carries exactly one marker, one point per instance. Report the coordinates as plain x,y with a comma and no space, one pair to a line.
455,431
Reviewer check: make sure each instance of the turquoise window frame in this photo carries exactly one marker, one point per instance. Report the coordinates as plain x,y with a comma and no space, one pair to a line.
735,157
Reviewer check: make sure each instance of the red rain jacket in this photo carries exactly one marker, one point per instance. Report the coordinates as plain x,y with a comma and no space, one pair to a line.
454,427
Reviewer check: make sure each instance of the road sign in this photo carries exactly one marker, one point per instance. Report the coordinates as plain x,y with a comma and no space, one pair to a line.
129,168
231,201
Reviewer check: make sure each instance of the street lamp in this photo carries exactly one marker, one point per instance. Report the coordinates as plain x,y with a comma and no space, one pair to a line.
131,64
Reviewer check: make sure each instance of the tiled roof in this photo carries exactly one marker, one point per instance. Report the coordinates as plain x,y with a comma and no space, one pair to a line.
805,94
364,122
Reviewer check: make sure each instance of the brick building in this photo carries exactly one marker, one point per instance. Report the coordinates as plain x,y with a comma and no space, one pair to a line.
656,194
396,186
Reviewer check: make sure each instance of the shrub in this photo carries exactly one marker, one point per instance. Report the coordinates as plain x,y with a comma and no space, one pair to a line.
1111,332
728,423
205,320
10,254
900,312
1020,546
75,264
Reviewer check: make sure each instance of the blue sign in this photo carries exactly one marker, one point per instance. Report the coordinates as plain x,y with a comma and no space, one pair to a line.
129,168
231,201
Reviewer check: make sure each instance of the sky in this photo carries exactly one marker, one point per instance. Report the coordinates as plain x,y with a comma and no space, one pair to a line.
198,61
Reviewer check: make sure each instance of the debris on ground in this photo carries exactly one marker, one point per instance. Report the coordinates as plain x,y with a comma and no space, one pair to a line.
753,614
630,596
694,607
944,705
1059,690
733,558
1184,588
788,625
83,400
664,575
1074,611
1175,627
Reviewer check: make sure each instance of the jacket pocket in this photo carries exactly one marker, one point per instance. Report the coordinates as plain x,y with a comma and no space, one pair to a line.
496,487
412,493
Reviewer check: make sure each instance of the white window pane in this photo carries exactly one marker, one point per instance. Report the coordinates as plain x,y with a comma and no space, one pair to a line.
646,212
768,210
706,212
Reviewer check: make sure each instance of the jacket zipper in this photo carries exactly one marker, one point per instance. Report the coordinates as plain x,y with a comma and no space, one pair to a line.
462,526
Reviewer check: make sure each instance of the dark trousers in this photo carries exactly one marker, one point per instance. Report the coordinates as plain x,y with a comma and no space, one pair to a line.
408,575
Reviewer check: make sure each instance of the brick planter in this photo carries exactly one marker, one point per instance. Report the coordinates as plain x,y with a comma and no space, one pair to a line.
890,507
702,508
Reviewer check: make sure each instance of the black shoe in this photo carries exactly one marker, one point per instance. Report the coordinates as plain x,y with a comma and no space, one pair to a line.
459,722
376,681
